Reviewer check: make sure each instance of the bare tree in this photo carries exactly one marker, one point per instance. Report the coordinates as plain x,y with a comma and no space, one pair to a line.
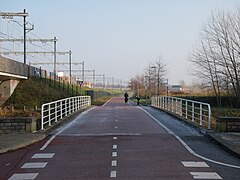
151,82
216,58
155,74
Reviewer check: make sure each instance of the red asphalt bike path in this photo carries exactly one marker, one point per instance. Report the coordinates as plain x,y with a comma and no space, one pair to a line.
114,141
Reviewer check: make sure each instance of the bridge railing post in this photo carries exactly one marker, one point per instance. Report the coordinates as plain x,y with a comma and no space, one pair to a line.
58,109
195,111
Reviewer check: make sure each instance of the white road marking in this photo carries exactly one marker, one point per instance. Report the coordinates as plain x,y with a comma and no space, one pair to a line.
114,138
103,134
22,176
186,146
106,103
114,146
115,127
114,163
53,137
116,120
114,154
194,164
205,175
42,155
34,165
113,174
48,142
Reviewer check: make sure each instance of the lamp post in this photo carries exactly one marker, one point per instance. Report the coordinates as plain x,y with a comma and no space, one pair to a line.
166,84
155,73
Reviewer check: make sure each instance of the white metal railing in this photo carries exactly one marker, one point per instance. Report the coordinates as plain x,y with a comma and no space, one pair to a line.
197,112
53,111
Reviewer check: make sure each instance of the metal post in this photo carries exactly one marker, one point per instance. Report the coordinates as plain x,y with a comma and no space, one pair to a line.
24,15
167,87
65,107
186,104
93,78
201,114
209,117
70,66
56,112
49,114
24,37
193,111
54,55
103,81
61,107
83,72
112,82
181,107
42,118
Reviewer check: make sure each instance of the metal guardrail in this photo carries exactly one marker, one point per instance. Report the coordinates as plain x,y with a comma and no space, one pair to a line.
53,111
197,112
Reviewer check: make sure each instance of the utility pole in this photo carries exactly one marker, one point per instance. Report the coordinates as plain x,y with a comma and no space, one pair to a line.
93,78
55,55
24,37
83,71
103,81
113,82
24,15
70,66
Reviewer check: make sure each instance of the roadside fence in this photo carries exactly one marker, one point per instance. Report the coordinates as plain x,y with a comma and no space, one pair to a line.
53,111
197,112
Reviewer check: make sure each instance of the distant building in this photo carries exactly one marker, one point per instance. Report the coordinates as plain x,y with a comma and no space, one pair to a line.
88,84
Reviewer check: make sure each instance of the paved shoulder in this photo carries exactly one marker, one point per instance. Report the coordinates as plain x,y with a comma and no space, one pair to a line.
13,141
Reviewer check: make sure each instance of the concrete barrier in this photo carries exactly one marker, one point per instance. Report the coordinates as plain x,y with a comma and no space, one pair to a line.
228,124
20,124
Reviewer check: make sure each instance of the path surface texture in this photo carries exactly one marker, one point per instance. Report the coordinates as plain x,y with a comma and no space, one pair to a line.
122,141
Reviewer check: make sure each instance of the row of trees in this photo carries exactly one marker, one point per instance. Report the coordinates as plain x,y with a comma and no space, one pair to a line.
152,82
216,57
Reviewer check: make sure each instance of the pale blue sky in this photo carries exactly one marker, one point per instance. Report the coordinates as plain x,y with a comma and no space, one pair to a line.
121,37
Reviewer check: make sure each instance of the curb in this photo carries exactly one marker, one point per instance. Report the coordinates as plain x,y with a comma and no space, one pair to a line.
24,144
224,144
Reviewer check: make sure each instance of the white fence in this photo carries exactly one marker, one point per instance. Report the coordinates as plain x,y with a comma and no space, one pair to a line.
197,112
53,111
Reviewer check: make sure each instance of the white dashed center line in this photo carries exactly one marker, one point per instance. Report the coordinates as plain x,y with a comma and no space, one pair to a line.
113,174
114,154
114,163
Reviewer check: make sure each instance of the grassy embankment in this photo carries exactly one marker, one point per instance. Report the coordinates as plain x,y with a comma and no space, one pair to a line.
32,93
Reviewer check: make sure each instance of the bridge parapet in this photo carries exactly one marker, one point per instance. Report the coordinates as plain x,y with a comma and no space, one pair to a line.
10,69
